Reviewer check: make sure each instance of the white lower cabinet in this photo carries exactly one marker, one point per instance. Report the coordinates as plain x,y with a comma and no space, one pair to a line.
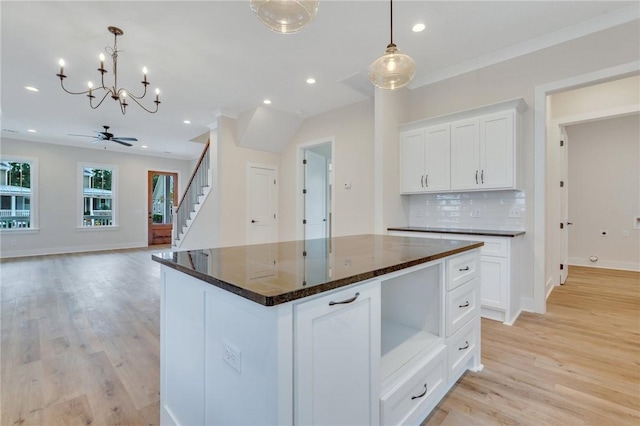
418,390
336,351
383,351
500,263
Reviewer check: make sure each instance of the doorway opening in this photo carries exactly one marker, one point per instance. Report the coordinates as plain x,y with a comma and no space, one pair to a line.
162,197
317,191
550,211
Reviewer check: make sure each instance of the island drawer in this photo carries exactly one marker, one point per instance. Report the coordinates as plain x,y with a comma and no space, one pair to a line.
463,304
461,348
416,390
461,269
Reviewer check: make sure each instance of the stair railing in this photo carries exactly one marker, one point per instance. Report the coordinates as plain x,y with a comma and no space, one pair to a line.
195,188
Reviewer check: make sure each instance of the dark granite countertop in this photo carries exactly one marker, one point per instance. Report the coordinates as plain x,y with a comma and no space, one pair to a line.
461,231
271,274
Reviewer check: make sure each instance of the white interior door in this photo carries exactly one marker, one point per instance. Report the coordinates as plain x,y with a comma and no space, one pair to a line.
564,205
315,197
262,205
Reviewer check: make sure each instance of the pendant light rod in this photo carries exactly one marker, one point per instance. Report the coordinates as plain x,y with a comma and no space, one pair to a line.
391,19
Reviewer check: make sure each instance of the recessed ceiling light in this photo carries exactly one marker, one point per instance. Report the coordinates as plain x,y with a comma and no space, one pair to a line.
187,122
418,28
31,88
31,130
143,146
311,80
266,102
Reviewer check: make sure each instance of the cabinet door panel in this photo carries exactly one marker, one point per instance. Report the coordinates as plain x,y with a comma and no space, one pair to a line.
496,150
493,281
437,158
337,358
412,162
465,153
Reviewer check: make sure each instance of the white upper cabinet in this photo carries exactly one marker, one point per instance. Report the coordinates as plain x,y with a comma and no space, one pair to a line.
425,160
437,153
412,154
469,150
497,147
465,155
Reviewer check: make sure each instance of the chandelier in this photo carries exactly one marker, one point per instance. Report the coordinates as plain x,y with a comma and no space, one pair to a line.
393,70
285,16
119,94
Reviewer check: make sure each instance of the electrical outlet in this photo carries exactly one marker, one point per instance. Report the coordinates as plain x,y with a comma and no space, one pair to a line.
476,213
232,356
604,233
514,213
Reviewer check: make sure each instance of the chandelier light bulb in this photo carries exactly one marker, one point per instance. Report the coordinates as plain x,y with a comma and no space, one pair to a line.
157,91
144,70
90,84
61,63
123,94
101,57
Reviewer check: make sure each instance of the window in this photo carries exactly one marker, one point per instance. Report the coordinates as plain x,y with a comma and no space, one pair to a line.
18,180
99,184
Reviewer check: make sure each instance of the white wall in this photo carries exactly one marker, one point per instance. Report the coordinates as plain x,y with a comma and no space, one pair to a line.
58,199
352,129
232,182
598,99
519,77
604,192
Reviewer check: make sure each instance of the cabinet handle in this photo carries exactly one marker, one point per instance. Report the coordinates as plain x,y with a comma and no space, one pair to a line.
482,176
466,346
476,177
466,303
422,181
426,181
463,269
422,394
345,301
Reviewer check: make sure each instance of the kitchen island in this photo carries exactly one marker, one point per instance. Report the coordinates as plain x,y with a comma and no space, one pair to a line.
358,330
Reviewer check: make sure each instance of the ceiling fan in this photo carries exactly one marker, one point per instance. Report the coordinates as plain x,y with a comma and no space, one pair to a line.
106,137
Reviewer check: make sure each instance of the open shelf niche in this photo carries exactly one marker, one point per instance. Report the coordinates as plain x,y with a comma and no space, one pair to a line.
411,316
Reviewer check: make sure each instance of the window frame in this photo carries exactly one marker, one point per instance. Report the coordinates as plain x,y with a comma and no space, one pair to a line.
33,198
114,196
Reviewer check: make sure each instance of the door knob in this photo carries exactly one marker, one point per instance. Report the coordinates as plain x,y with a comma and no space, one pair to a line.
253,221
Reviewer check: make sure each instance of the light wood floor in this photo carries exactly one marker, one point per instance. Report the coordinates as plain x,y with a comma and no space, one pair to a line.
80,346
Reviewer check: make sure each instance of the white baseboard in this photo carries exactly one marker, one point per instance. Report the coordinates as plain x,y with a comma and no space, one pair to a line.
6,254
528,305
605,264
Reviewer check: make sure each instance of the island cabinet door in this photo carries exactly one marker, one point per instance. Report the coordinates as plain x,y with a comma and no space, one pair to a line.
337,357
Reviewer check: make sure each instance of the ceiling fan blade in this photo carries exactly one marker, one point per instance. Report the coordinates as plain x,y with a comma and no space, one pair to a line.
84,136
127,139
97,140
121,142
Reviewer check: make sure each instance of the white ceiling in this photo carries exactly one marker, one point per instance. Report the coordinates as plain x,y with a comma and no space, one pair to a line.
215,56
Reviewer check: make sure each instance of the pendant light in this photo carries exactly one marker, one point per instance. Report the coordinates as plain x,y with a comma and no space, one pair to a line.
285,16
394,69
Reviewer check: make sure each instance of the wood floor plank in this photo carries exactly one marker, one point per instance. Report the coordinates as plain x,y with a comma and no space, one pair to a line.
80,345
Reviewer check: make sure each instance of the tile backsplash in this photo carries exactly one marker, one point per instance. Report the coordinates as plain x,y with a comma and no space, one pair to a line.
504,210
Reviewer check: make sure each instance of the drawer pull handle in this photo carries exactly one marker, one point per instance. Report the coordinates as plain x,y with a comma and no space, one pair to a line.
422,394
464,305
464,269
466,346
353,299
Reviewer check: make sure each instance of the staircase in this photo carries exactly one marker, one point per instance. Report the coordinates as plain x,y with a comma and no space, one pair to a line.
195,194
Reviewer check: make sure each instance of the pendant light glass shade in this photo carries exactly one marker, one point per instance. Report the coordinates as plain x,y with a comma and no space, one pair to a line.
393,70
285,16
